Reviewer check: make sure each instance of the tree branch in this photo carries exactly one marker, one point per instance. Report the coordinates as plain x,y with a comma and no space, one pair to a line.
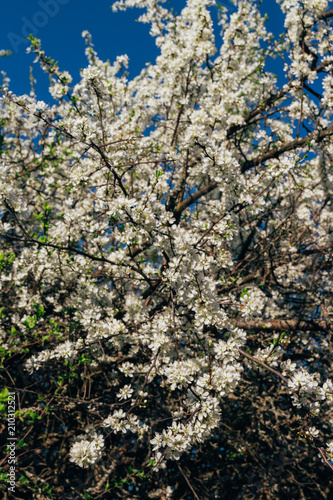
280,325
317,136
264,365
192,198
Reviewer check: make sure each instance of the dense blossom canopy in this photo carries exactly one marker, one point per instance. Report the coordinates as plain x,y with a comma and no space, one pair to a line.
166,265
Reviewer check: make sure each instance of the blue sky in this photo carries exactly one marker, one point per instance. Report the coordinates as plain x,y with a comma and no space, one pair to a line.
59,24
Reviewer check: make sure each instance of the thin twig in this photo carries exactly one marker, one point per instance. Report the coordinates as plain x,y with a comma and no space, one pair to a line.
188,482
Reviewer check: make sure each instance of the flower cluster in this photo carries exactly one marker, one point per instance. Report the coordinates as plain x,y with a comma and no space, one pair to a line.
179,438
86,452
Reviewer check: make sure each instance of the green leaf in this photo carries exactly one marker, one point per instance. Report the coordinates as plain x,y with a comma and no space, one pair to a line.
4,394
23,480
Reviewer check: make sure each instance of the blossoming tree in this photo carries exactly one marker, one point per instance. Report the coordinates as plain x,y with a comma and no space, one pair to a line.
166,264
